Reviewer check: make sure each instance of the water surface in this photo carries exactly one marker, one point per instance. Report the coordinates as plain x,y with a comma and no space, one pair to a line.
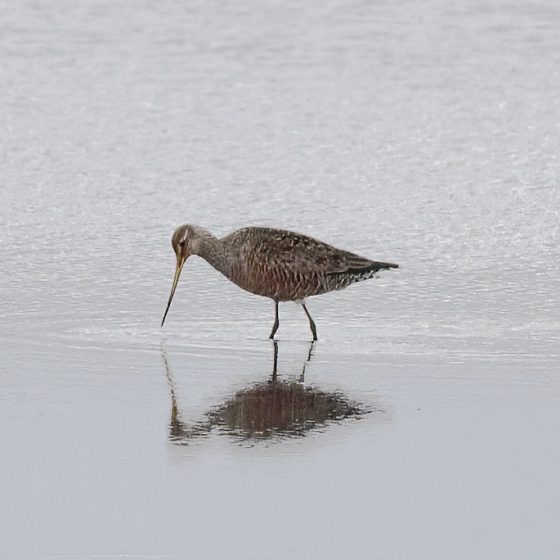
425,424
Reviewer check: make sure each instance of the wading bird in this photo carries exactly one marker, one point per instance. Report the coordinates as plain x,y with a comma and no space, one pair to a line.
275,263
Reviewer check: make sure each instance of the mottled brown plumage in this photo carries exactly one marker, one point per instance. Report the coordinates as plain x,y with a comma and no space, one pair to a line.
275,263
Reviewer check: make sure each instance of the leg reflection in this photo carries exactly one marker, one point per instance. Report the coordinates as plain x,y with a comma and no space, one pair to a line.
309,354
275,362
301,378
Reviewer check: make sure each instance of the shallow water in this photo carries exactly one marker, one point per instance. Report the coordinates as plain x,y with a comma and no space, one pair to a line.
419,133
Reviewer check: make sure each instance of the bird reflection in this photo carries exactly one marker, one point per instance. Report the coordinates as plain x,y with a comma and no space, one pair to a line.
271,410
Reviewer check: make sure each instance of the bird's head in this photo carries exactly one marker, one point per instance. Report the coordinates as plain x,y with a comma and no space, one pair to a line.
185,243
182,242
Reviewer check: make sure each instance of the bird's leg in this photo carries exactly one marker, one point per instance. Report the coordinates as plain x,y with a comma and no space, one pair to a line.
276,321
311,322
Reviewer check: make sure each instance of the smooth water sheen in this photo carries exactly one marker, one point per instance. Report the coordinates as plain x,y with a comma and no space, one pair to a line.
425,422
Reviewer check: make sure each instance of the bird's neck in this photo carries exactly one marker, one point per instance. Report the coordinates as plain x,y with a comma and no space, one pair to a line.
212,250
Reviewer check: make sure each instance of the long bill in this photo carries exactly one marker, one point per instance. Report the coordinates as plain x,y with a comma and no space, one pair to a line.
180,263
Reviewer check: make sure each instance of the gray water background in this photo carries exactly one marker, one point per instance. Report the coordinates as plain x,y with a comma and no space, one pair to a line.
424,133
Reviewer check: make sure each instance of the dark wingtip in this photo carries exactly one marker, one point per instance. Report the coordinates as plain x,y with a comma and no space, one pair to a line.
383,265
373,266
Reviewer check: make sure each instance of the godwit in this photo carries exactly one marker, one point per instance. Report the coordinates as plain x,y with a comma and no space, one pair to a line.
279,264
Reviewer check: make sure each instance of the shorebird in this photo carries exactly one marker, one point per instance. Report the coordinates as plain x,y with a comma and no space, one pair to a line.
275,263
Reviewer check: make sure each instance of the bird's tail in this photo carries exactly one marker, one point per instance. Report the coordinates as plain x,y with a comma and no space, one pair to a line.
357,271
